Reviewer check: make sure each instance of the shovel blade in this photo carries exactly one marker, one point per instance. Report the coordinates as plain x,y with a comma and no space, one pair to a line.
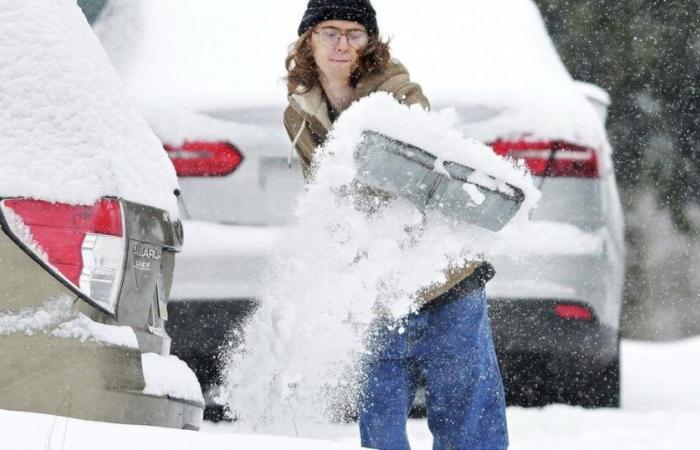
456,191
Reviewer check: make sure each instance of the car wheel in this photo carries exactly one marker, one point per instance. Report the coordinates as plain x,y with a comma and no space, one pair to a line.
598,388
601,389
526,379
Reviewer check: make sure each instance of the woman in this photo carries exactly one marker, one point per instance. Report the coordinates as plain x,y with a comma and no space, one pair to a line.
338,59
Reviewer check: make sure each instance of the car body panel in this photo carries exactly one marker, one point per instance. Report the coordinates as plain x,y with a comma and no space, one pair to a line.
220,261
77,379
20,270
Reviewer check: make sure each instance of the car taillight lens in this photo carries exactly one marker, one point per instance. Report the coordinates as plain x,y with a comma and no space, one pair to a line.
552,158
576,312
85,245
204,159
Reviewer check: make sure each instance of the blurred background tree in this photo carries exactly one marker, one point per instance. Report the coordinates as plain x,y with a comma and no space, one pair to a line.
646,54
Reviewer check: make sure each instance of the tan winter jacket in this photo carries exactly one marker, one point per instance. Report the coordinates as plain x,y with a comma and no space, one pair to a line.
307,122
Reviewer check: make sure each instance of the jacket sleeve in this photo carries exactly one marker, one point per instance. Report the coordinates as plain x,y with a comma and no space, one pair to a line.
411,94
405,91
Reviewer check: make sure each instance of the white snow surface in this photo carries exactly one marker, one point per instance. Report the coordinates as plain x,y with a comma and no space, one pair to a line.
491,60
660,410
58,318
176,125
169,376
28,431
84,329
347,259
66,132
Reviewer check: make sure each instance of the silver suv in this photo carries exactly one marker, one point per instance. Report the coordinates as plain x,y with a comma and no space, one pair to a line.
556,299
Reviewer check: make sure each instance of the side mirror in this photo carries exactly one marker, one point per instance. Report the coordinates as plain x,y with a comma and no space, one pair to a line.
597,96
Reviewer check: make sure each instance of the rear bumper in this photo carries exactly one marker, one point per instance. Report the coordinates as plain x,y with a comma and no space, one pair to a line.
531,327
85,380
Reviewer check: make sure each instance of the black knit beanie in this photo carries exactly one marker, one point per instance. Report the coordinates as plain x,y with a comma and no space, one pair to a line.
360,11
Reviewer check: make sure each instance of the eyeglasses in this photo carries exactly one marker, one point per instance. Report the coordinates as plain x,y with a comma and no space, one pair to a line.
330,37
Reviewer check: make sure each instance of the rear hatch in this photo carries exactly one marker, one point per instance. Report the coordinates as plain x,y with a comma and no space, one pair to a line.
116,255
572,249
238,187
233,164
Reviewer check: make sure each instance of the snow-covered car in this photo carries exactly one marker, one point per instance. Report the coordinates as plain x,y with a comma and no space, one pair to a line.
556,298
208,76
89,230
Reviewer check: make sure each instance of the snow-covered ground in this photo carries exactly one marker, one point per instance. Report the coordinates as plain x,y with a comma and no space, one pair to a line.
660,410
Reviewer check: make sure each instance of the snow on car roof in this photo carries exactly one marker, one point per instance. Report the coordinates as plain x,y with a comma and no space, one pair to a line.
493,61
67,134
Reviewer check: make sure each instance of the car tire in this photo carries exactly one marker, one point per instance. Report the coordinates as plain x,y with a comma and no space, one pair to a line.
599,388
526,380
602,388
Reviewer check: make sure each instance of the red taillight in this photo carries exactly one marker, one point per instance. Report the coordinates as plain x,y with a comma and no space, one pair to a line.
204,159
576,312
85,244
108,217
552,158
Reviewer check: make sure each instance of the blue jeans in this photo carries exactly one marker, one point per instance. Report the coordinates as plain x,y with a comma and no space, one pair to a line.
451,348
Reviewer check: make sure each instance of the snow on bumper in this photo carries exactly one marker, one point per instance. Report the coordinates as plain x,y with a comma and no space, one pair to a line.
168,376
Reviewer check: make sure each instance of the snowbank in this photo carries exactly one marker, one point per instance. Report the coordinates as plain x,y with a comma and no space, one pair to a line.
347,260
27,431
66,133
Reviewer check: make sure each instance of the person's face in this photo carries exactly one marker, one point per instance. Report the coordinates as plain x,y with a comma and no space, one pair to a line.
336,46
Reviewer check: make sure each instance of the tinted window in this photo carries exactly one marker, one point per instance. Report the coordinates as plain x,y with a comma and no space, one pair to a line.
92,8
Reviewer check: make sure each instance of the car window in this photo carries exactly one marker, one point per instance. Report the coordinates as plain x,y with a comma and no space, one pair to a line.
92,9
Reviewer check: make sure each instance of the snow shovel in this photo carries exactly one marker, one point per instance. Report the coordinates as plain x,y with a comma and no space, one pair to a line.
458,192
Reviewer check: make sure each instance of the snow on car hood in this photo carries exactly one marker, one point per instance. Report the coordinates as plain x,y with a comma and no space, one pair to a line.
491,60
496,64
66,133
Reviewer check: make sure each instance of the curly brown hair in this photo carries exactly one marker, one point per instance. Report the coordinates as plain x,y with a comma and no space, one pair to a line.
303,72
